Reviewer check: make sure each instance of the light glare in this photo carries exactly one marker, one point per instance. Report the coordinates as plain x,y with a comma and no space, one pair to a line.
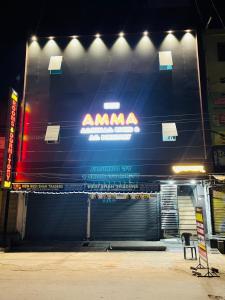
98,35
121,34
145,33
171,182
34,38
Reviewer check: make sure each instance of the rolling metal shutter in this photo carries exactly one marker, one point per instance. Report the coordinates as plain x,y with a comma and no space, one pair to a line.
169,211
56,217
218,206
120,219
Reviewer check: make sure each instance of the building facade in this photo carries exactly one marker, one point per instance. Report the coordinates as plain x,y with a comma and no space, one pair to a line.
214,43
112,142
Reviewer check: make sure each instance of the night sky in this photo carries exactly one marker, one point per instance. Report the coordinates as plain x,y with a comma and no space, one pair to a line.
20,19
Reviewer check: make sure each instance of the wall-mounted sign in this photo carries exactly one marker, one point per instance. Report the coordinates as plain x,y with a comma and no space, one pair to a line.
188,169
123,196
88,187
10,140
113,126
38,186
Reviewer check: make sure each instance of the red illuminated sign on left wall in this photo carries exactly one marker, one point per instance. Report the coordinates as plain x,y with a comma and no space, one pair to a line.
10,141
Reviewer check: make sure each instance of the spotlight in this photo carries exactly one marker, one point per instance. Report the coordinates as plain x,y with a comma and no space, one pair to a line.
171,182
98,35
51,37
121,34
193,181
170,31
74,36
33,38
145,33
188,30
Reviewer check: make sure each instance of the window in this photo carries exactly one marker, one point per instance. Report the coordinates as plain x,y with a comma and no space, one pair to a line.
169,132
165,60
55,65
221,51
52,134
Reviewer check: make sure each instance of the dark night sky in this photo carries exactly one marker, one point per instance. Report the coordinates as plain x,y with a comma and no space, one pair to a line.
21,19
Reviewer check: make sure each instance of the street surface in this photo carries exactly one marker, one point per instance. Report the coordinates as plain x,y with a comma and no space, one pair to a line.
106,275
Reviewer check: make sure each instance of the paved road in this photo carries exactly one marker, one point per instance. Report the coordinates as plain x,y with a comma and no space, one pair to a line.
106,275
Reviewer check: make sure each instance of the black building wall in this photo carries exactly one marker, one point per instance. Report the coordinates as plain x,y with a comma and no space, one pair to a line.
96,70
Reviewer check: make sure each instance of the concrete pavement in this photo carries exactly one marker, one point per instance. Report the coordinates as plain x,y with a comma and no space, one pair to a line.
106,275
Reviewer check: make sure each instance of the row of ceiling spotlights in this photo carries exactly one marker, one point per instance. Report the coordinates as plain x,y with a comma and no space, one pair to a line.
98,35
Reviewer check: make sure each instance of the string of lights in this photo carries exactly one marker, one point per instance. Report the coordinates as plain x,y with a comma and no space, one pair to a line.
81,192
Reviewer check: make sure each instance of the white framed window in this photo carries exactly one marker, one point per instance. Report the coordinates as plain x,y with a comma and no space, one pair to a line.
169,132
52,134
55,65
165,60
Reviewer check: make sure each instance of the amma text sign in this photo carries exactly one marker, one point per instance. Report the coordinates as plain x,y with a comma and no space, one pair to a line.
112,126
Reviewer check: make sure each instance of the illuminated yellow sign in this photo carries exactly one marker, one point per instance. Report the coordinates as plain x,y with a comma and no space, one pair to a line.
114,126
188,169
113,119
7,184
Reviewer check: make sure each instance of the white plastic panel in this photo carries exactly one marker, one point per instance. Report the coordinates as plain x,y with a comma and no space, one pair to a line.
52,133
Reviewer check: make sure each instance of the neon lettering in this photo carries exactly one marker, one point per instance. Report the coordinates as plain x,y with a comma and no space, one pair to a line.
102,120
88,120
11,140
113,120
117,119
131,119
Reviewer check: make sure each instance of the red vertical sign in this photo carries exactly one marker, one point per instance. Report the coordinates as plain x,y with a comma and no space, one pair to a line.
10,141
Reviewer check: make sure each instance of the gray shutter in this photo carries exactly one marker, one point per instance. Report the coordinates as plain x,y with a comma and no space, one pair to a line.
117,219
56,217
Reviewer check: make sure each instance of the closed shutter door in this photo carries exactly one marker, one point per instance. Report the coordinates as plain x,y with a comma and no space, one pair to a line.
56,217
218,205
117,219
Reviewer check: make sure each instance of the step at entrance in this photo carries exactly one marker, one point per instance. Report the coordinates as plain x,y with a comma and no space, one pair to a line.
186,209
